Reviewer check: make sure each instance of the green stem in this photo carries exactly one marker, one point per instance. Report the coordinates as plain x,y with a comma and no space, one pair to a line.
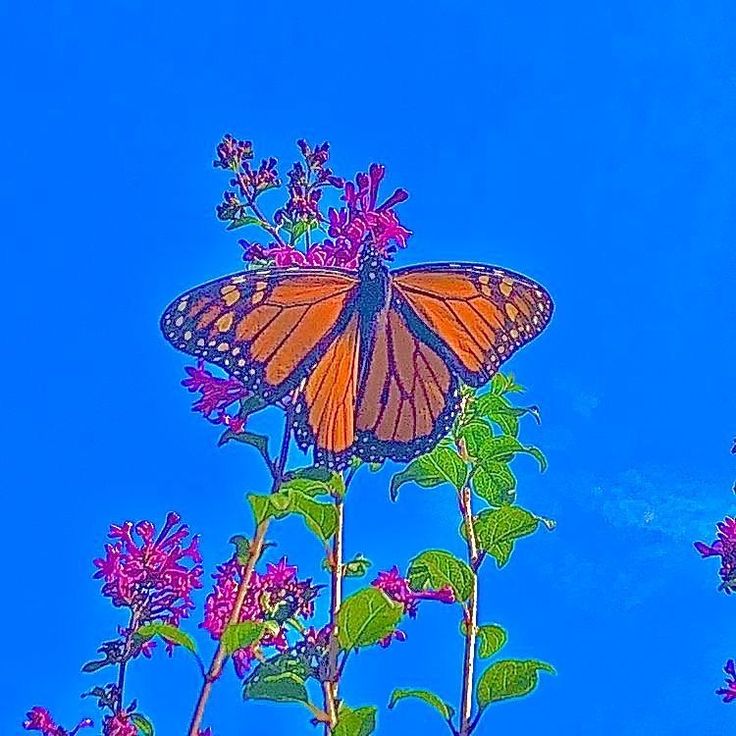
467,723
331,686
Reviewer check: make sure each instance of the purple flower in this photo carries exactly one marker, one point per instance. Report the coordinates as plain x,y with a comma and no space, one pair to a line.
361,222
231,208
39,719
725,548
231,153
397,635
276,595
149,573
396,587
729,692
253,182
217,394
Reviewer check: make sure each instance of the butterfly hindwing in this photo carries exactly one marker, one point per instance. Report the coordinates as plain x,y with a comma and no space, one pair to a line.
324,409
477,316
267,328
409,397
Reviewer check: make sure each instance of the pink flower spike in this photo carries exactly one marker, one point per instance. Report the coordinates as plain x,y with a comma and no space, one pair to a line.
216,393
724,547
151,575
119,725
276,595
728,693
396,587
39,719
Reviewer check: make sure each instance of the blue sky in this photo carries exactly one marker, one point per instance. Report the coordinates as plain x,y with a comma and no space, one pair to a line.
590,145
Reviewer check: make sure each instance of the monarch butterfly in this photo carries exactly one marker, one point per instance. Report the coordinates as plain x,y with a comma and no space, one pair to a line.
371,360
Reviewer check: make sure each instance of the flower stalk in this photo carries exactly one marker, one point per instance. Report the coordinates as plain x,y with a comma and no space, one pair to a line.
470,617
331,685
254,554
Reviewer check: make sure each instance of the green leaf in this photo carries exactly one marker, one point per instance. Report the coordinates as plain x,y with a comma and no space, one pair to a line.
445,710
144,726
358,722
494,482
243,221
244,634
504,383
357,567
242,548
270,506
282,678
498,529
320,517
509,678
366,617
502,448
491,638
95,665
314,481
441,465
436,568
168,633
475,433
259,441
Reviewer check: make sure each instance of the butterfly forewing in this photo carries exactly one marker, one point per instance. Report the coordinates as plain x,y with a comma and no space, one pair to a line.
477,316
268,328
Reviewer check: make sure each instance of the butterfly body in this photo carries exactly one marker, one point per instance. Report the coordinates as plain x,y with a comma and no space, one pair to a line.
369,361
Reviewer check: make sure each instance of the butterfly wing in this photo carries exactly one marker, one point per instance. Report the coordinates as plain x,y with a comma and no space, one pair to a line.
445,323
268,327
475,316
399,406
324,410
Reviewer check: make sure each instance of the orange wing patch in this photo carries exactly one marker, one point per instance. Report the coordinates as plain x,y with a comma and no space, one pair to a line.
327,403
481,314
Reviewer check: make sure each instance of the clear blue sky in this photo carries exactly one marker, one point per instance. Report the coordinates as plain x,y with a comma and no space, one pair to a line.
591,145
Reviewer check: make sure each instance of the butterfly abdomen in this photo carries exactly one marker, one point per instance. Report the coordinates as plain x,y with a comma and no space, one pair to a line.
372,300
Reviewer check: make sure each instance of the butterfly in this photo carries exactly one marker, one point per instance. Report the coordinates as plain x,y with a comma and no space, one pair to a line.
370,362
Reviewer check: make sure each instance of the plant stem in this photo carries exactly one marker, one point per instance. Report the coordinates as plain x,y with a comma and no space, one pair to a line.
255,552
471,618
132,627
331,685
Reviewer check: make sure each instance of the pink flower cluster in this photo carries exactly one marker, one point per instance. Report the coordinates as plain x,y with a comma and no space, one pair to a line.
729,692
725,548
217,394
361,222
396,587
39,719
149,573
276,595
231,153
119,724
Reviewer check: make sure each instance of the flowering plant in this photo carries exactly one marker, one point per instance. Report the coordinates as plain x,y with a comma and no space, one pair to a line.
260,612
724,547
